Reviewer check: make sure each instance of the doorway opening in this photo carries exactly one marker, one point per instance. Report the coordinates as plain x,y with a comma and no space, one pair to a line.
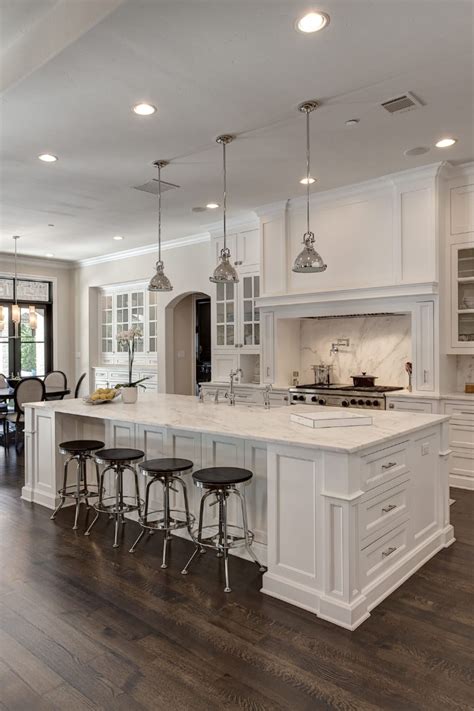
188,343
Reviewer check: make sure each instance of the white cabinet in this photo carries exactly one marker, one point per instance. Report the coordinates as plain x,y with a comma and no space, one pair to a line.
110,376
461,441
424,366
244,248
462,298
409,404
122,308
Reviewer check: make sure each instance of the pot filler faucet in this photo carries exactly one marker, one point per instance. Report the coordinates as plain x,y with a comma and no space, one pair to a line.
340,342
231,393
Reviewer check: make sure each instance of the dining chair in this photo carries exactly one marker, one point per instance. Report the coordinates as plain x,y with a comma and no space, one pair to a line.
55,379
78,385
28,390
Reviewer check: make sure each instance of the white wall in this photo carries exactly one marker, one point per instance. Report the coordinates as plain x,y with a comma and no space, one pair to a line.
188,269
379,345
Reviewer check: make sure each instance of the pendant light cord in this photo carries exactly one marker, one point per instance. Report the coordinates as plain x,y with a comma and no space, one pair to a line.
308,158
159,212
224,201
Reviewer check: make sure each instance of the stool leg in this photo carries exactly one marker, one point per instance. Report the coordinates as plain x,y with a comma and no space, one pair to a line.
198,548
166,514
142,532
220,551
118,500
248,547
186,503
78,493
63,498
101,496
223,508
84,477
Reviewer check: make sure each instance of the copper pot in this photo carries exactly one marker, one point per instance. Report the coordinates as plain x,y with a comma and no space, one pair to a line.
363,380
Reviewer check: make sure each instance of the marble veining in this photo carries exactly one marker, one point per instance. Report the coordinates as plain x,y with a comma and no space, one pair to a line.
379,345
184,412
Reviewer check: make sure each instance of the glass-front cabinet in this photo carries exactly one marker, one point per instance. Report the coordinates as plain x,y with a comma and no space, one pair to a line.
121,309
462,278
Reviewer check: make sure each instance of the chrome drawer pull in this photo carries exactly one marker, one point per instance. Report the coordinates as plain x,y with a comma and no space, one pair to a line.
388,552
389,508
389,465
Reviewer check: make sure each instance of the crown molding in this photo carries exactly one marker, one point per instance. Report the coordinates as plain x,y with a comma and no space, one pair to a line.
32,261
147,249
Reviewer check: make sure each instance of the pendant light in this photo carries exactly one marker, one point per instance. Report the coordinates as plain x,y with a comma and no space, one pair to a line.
308,260
225,272
159,282
2,318
16,314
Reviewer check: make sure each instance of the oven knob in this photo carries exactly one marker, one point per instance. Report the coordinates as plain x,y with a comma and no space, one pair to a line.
295,397
360,402
322,401
353,402
345,403
376,403
368,403
314,399
301,398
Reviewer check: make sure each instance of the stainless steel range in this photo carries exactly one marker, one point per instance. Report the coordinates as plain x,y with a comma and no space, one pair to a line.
372,397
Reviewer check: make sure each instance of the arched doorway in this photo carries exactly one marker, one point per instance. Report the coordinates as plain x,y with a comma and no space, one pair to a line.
188,342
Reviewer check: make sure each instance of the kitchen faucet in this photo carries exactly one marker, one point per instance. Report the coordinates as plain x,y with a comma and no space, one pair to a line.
340,342
266,396
230,394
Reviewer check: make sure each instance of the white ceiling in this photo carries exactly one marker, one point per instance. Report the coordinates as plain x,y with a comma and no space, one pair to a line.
214,66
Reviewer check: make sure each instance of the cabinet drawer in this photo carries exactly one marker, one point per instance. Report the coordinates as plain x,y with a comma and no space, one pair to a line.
410,405
377,557
118,376
152,377
101,375
461,434
462,463
384,465
462,411
383,510
100,384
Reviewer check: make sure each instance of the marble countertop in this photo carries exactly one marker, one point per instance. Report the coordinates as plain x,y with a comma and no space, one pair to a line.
184,412
468,397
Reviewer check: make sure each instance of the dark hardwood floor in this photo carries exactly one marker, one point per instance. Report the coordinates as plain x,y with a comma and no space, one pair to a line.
83,626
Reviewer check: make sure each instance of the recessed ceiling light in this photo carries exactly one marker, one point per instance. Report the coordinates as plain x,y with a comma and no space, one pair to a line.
212,205
118,238
352,122
48,158
312,22
305,181
144,109
49,254
446,142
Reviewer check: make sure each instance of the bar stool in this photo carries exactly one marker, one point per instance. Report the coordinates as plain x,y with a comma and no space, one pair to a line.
220,482
79,451
167,472
117,505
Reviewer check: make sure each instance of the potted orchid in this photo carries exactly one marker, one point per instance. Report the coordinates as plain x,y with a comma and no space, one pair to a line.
128,339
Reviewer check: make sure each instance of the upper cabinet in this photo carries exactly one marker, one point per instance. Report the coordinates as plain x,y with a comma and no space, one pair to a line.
244,247
122,308
462,296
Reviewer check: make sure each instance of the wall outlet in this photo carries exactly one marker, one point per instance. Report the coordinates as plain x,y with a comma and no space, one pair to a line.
425,448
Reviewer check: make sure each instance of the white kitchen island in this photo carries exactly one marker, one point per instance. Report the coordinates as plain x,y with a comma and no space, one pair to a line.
342,516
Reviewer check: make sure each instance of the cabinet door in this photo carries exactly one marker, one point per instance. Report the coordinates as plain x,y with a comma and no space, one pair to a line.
222,364
249,312
226,316
248,249
106,327
152,335
137,317
122,319
462,297
424,363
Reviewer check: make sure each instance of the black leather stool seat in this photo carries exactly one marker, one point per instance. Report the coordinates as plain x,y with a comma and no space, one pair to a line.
119,454
76,446
166,465
222,476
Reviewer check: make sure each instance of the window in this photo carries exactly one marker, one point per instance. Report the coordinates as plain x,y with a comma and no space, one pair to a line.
31,352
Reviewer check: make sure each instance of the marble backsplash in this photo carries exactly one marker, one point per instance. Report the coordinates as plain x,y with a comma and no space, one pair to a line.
379,345
464,371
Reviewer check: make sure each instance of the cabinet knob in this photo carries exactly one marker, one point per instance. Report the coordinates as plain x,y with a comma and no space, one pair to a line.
391,406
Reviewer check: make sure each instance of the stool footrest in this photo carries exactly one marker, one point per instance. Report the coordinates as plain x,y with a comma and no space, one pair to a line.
71,492
158,523
109,505
235,537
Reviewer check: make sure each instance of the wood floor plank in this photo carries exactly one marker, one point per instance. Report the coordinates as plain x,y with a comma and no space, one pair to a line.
84,626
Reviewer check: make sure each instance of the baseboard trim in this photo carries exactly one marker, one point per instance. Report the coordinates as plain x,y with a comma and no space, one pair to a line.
457,481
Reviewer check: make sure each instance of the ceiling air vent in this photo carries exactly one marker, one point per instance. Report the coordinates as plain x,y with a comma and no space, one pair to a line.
401,104
152,186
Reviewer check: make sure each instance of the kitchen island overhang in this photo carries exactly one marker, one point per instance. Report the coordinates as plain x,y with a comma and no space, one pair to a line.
342,516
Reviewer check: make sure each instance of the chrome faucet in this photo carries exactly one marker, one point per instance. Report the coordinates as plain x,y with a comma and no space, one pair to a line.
266,396
230,394
340,342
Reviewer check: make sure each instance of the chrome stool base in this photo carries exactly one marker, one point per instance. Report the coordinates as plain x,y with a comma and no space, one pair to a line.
119,504
166,519
223,536
80,491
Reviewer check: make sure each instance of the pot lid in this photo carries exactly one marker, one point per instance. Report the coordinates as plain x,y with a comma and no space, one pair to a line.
364,375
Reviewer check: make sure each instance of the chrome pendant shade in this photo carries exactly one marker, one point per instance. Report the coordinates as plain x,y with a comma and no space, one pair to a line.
225,271
308,260
159,281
